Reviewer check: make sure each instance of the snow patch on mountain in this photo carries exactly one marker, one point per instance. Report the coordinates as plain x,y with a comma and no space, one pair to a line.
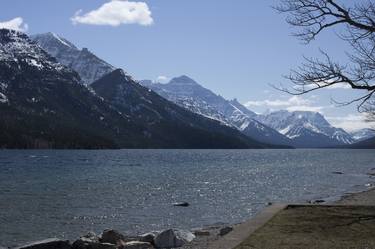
86,64
302,124
187,93
17,48
363,134
61,40
3,98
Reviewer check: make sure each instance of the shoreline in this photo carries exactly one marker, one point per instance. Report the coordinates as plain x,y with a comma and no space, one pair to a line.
365,197
208,235
361,198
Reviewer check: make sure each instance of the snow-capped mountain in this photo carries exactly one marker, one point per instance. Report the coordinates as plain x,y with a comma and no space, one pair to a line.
187,93
306,129
44,105
88,65
167,122
363,134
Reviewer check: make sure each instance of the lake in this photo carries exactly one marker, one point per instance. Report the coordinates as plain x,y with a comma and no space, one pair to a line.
62,193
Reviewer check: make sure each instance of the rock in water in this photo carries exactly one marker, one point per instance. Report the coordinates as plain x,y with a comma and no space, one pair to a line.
337,173
136,245
47,244
181,204
225,231
317,201
173,238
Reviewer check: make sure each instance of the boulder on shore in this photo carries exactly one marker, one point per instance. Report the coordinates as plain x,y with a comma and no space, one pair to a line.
115,237
201,233
173,238
112,236
136,245
225,231
91,241
148,237
52,243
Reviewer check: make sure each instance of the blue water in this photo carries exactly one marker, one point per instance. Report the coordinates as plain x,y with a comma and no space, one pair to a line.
67,193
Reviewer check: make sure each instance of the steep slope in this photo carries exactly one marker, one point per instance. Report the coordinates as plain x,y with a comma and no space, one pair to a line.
88,65
45,106
174,126
362,134
187,93
306,129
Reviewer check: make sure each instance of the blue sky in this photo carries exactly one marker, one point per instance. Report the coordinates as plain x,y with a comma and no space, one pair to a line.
237,48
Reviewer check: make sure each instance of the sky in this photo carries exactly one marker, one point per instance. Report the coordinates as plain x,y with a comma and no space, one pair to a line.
237,48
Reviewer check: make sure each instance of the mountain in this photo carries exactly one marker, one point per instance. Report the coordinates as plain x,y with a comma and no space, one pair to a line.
187,93
165,120
174,126
363,134
364,144
157,122
306,129
88,65
44,105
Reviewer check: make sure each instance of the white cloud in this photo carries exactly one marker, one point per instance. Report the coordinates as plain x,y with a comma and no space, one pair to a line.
162,79
115,13
15,24
294,103
350,122
294,100
305,108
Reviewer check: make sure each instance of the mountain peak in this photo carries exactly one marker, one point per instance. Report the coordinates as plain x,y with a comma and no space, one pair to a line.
119,72
183,80
116,77
85,63
235,102
54,38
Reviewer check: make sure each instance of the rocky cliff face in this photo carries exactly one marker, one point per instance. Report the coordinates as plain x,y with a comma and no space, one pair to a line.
89,66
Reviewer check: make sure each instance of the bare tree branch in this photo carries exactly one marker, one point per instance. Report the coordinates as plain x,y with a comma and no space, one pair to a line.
311,17
314,16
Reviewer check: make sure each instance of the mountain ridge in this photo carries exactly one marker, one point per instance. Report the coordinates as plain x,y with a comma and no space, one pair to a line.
211,134
189,94
311,130
165,119
306,129
88,65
